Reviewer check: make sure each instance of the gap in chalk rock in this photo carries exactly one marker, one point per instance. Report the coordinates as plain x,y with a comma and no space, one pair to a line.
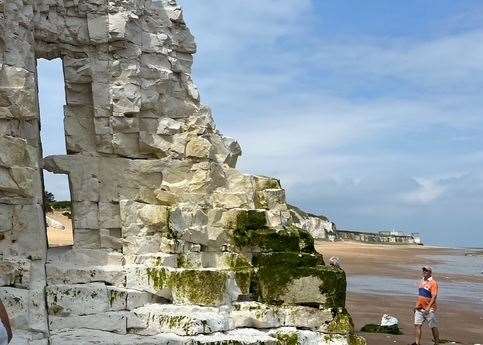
56,186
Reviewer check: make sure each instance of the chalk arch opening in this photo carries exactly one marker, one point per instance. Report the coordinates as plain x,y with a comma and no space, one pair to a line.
56,187
76,136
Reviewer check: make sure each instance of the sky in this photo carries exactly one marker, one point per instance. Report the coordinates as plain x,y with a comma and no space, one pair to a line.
368,112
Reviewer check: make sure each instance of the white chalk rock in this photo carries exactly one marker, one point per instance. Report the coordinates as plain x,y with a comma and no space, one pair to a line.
52,223
182,320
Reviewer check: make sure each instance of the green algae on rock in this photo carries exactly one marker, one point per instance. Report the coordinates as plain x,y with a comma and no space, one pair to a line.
287,338
243,279
201,287
373,328
356,340
286,239
277,271
157,277
342,322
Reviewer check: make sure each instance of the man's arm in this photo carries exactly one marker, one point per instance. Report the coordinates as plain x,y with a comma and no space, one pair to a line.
5,320
434,295
431,303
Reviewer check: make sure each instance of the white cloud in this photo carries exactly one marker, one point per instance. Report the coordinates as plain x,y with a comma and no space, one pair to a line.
427,192
229,26
454,59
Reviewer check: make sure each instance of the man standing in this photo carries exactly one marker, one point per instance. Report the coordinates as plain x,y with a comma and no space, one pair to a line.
426,306
5,330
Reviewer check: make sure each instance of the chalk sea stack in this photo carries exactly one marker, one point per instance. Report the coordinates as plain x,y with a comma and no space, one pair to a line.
172,244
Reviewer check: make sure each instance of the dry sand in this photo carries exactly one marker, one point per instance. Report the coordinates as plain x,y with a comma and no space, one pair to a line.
57,237
461,321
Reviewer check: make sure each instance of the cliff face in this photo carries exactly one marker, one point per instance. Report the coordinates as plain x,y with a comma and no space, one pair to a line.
171,243
320,227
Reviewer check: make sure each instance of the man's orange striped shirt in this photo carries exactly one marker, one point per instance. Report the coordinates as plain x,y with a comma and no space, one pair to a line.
427,289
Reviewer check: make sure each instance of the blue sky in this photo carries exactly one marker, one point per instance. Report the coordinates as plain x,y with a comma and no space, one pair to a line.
369,112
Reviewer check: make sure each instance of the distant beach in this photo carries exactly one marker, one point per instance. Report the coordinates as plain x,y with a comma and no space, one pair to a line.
382,279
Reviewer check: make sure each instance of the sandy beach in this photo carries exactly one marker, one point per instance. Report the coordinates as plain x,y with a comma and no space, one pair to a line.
382,279
59,237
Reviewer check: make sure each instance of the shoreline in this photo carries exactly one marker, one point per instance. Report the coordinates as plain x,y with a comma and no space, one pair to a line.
391,265
456,322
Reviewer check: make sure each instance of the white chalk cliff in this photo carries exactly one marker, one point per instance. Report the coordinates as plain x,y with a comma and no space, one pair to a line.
172,244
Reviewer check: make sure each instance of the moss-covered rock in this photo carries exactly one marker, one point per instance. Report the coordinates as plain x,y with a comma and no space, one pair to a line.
243,270
287,338
287,260
278,271
207,287
243,279
157,277
189,260
250,219
288,239
373,328
356,340
237,262
201,287
342,322
269,198
264,182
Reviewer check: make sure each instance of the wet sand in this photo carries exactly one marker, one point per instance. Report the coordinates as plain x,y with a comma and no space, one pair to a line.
461,318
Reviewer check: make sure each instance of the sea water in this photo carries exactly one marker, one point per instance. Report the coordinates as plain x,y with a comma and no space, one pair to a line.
453,263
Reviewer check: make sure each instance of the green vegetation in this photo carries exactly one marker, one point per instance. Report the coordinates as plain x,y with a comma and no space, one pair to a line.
185,262
60,205
373,328
277,270
342,322
287,338
203,287
289,239
243,271
250,219
238,262
176,322
115,295
243,279
286,254
157,277
263,183
51,204
356,340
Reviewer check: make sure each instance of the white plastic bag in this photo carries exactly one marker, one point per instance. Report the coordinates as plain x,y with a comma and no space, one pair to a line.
388,320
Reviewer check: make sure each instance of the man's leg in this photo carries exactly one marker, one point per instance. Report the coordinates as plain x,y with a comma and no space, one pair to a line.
433,324
418,321
418,334
435,335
